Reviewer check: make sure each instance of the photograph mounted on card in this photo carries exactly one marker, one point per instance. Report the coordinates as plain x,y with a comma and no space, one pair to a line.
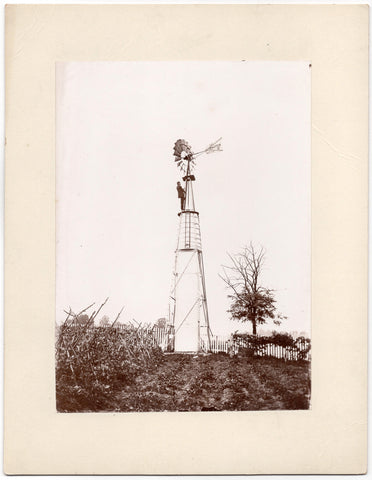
192,323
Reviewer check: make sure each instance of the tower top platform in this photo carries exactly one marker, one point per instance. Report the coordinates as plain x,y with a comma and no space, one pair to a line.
188,177
187,211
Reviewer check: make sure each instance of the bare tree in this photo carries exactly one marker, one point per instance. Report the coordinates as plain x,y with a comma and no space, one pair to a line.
251,302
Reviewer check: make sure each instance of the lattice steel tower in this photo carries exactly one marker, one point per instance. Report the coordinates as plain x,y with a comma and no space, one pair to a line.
188,313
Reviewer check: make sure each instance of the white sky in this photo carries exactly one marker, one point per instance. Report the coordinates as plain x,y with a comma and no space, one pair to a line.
117,203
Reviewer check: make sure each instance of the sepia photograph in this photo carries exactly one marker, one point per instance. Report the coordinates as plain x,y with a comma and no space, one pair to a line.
183,236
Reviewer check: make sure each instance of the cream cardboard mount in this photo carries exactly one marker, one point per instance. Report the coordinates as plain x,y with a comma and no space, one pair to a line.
332,436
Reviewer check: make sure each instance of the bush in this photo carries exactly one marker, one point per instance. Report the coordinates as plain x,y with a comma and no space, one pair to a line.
253,344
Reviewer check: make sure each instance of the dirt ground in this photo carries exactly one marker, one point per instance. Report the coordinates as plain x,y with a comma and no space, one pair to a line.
180,382
218,382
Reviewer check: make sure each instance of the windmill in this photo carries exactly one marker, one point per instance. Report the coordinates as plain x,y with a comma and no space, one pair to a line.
188,312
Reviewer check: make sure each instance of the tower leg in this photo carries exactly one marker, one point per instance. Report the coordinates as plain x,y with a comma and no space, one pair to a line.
207,333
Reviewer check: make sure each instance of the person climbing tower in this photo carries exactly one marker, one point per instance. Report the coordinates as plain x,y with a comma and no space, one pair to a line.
181,194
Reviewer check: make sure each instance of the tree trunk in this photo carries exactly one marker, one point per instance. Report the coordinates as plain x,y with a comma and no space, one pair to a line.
254,323
254,328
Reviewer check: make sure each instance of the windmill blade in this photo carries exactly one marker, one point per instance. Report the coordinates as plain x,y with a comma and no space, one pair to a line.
183,154
180,147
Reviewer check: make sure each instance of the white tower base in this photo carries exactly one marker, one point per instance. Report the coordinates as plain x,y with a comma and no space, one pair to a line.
190,312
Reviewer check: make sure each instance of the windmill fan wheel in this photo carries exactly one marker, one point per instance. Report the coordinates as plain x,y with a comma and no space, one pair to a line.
183,154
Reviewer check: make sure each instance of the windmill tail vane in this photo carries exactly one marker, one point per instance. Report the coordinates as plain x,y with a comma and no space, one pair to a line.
214,147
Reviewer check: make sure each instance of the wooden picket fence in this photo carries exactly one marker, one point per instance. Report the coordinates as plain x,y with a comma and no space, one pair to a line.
221,344
227,344
232,346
